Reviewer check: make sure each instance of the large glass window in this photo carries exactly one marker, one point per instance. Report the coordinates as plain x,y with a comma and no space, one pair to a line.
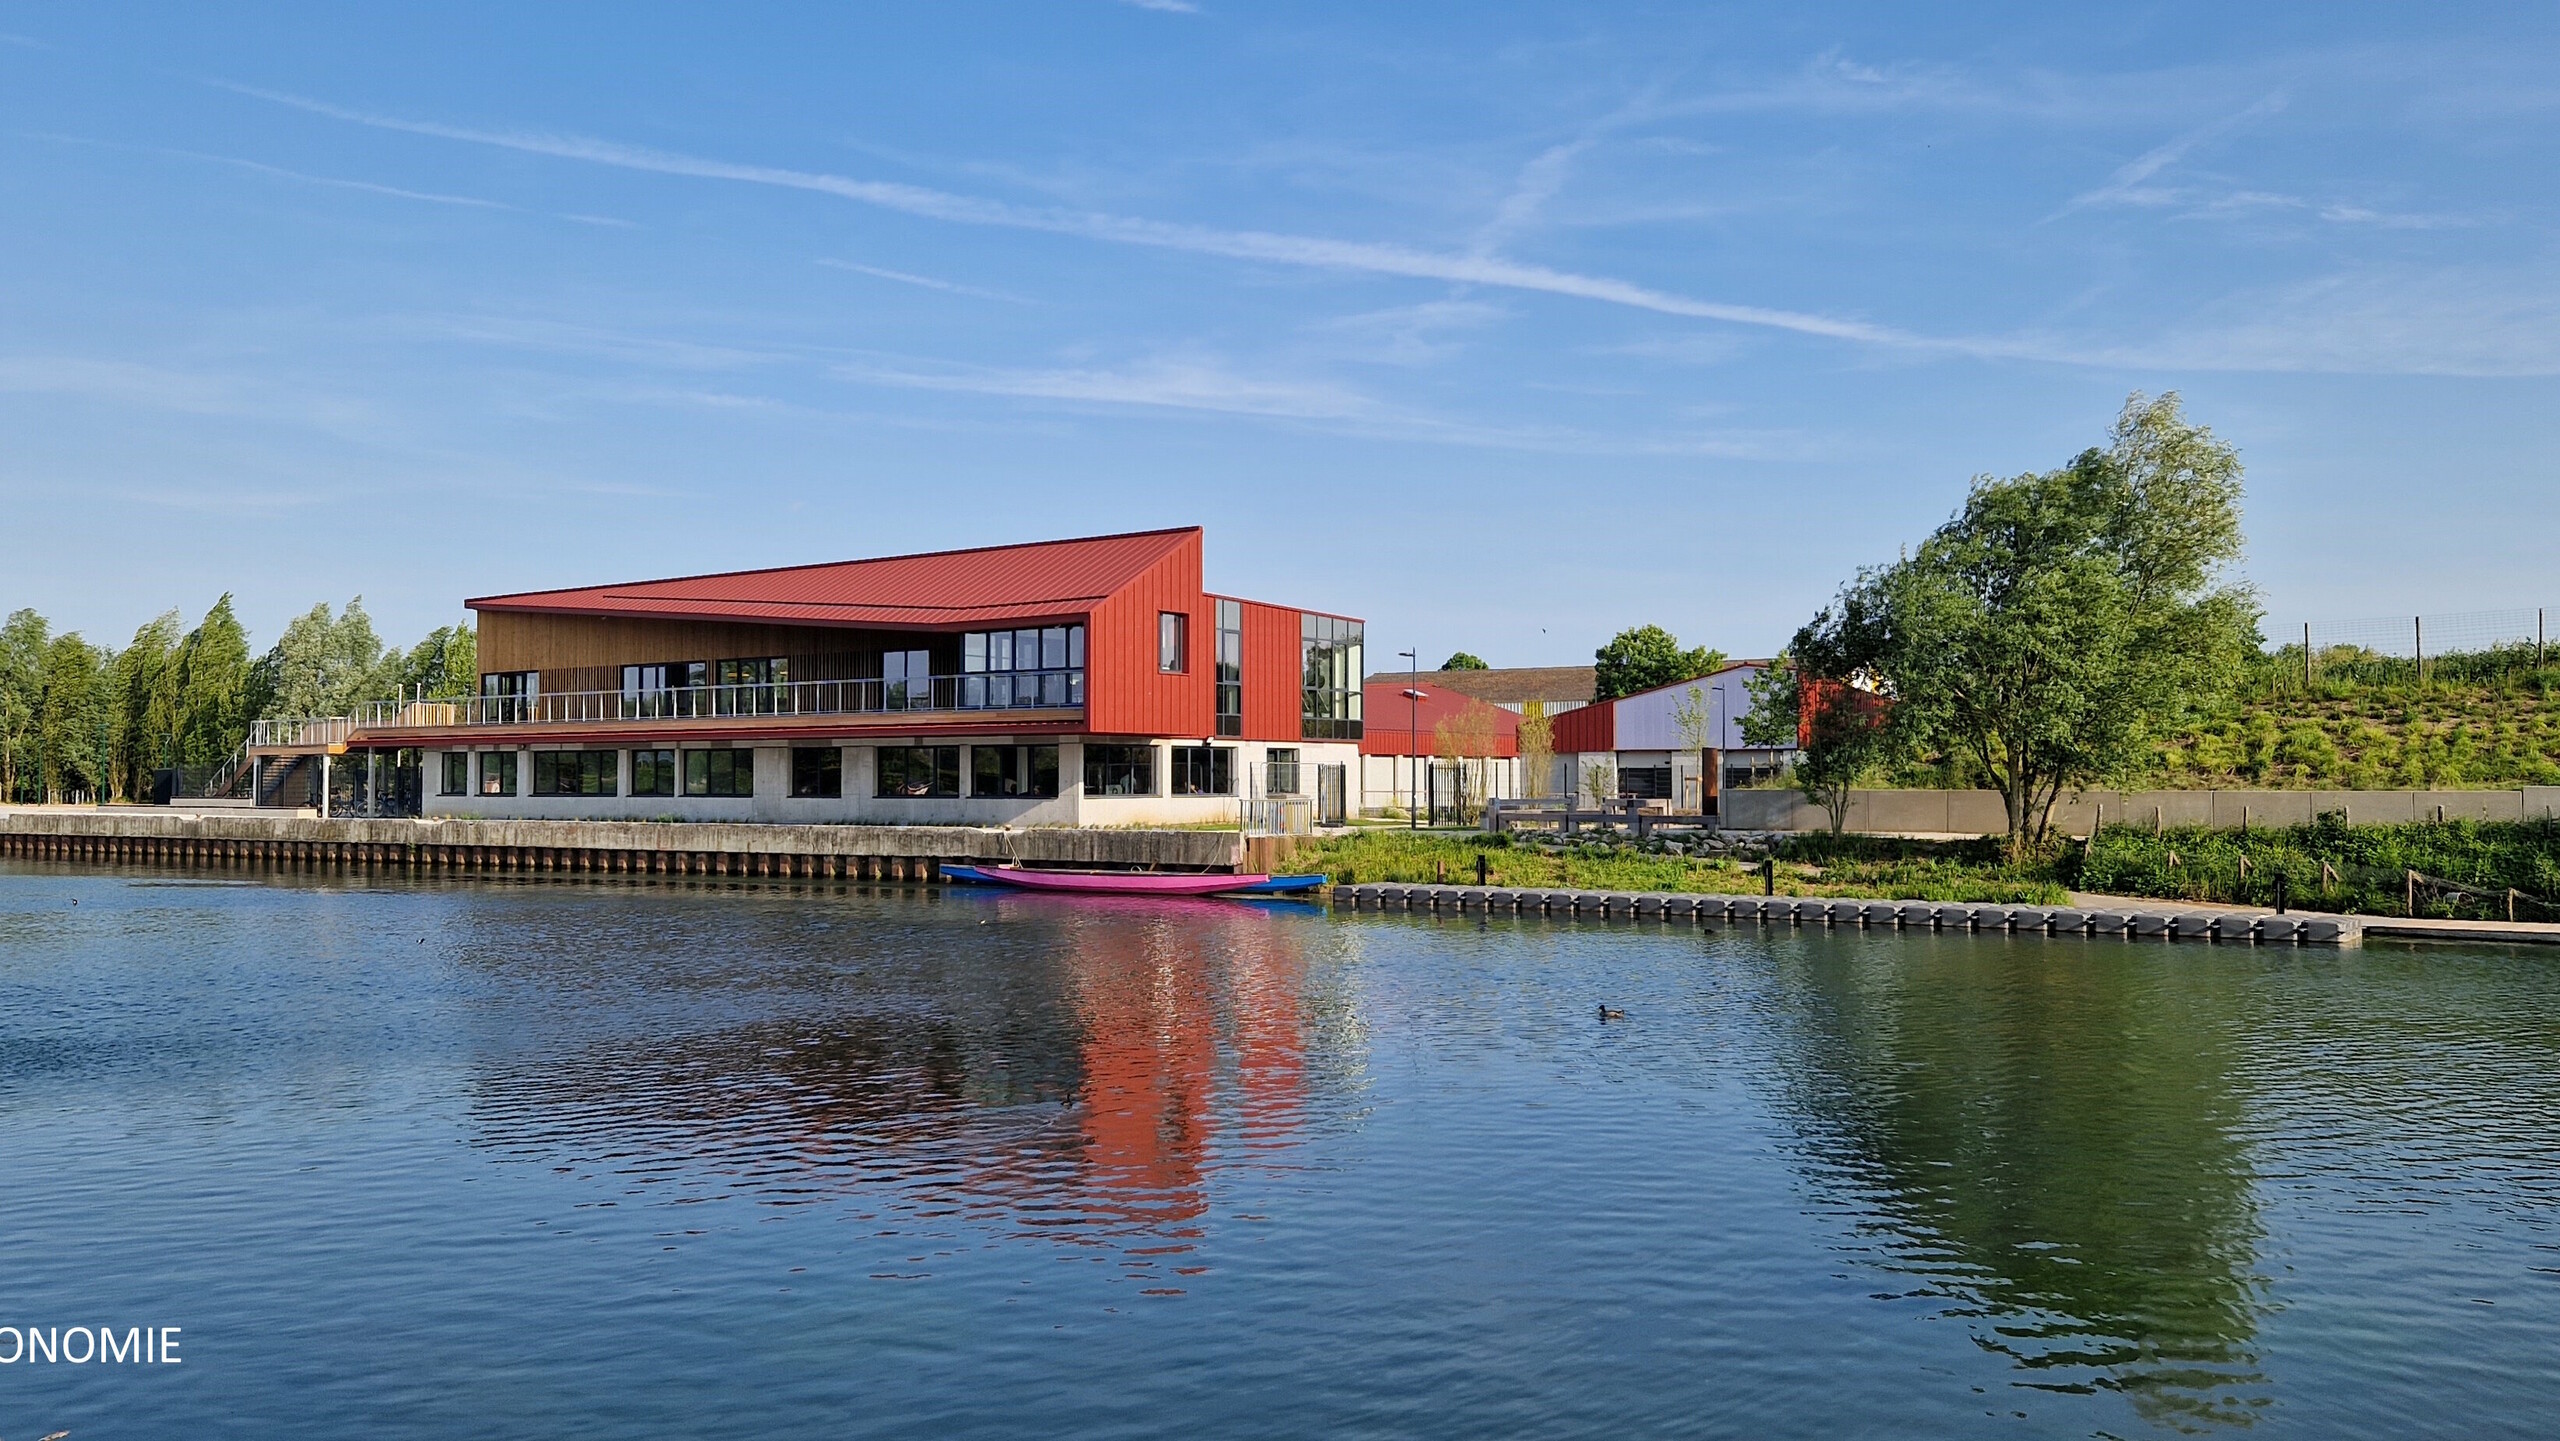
919,771
1204,770
1331,650
457,774
817,771
508,695
1119,770
653,773
719,773
667,689
1281,778
497,773
1173,642
754,686
1013,771
1230,668
906,680
1021,669
575,773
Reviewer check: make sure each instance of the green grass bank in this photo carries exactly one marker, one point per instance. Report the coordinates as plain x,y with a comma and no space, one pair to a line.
2468,867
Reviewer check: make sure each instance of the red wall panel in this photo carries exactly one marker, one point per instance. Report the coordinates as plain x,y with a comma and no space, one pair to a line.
1125,693
1274,678
1584,729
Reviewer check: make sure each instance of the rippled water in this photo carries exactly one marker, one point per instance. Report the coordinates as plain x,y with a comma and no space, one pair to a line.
545,1159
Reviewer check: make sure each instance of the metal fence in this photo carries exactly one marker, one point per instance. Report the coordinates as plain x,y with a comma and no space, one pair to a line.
2456,646
1053,690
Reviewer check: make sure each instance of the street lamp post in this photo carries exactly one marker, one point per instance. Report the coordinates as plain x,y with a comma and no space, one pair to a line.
1412,739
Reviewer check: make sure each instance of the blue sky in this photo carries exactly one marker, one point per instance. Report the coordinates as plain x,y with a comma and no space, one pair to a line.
1503,326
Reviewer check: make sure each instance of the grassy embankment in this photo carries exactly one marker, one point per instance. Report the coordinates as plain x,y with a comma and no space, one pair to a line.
2365,866
2483,718
1806,866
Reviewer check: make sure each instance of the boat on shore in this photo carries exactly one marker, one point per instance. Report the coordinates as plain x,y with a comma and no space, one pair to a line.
1132,883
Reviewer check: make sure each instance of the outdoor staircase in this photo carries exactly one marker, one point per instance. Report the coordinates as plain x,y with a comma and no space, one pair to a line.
286,780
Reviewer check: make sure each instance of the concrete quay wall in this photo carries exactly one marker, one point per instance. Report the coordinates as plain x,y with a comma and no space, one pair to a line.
1978,813
161,837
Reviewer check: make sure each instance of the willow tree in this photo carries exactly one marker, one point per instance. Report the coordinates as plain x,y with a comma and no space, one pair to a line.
213,687
23,638
2062,623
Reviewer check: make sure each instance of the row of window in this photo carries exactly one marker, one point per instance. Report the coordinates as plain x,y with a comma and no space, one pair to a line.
817,772
1034,666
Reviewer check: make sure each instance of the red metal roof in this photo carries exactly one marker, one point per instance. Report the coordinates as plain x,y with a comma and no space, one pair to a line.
1042,580
1392,727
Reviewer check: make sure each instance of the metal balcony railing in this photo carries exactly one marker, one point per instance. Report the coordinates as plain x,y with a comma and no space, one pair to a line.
1016,691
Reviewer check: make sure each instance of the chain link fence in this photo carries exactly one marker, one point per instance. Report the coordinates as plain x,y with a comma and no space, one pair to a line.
2461,646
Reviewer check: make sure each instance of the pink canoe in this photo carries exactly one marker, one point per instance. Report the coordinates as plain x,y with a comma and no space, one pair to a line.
1130,883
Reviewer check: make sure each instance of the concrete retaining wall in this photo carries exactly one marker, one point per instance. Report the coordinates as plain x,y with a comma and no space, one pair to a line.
1979,812
636,846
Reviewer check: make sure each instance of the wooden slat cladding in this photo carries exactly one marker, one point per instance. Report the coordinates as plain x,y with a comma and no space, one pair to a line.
588,652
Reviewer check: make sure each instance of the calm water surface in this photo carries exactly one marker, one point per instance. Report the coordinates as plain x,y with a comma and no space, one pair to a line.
463,1160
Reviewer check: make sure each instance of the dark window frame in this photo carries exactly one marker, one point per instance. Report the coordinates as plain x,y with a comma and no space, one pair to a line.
1173,642
1332,651
1018,767
664,774
1230,705
456,780
1200,771
1108,764
580,774
817,773
731,779
917,773
506,765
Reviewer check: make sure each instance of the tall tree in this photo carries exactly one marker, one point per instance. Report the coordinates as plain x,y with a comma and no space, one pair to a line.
2062,622
213,687
23,638
74,733
443,666
1464,661
1644,657
142,691
322,665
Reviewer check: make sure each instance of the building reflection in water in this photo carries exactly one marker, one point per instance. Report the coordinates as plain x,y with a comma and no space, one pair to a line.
1078,1070
2052,1144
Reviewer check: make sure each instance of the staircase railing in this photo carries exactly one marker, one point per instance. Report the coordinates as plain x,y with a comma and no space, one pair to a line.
228,777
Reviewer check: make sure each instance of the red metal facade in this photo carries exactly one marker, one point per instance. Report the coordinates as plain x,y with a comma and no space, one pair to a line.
1126,693
1394,728
1583,729
1274,679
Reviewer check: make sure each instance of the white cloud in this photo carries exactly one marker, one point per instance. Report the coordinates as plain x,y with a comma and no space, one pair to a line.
1201,385
1311,251
1166,384
926,281
1412,334
2127,186
2374,321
